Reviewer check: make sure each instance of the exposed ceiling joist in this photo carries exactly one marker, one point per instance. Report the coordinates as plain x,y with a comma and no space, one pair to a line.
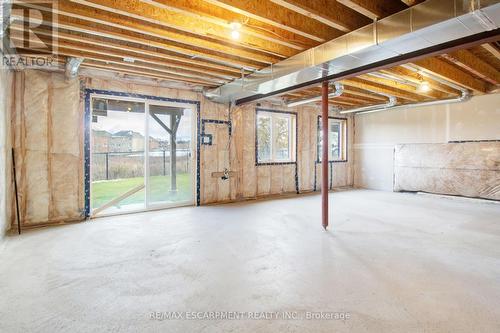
412,2
271,13
178,20
492,49
81,43
408,87
158,71
453,74
374,9
363,93
331,13
468,60
416,78
381,88
202,10
100,22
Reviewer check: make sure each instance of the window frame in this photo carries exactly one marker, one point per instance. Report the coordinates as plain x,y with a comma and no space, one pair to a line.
343,140
292,138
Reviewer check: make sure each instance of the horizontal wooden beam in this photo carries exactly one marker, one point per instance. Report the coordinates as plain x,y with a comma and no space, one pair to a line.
470,61
202,10
381,88
120,69
273,14
331,13
363,93
178,20
492,49
158,71
81,43
408,87
80,18
412,2
374,9
451,73
416,78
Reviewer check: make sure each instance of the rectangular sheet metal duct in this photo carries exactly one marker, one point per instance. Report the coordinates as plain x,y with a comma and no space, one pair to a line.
428,24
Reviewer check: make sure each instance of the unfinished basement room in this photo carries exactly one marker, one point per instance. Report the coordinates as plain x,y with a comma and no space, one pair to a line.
250,166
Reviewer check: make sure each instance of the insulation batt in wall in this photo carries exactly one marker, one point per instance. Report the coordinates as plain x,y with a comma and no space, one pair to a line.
48,139
6,92
48,127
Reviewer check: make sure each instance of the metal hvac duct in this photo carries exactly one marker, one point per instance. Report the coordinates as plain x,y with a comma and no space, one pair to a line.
428,24
464,95
72,65
391,103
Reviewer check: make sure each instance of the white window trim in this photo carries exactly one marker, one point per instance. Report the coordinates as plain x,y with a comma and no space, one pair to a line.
292,117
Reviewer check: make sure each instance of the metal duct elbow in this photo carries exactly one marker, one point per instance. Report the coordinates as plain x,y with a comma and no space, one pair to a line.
72,66
464,96
339,90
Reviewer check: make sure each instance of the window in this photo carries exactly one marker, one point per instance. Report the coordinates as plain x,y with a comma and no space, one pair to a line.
275,137
336,139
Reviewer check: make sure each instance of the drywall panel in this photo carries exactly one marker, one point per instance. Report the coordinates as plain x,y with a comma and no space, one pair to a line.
477,119
377,134
470,169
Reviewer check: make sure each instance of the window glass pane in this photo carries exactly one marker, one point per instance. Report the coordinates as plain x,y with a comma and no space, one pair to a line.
264,138
334,136
335,139
282,138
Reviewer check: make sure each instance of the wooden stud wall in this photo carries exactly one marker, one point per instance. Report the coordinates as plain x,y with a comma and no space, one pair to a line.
48,136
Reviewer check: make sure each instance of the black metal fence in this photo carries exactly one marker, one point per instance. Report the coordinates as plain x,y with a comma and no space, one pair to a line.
118,165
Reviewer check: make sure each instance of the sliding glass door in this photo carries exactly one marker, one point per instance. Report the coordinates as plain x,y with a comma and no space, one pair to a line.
141,155
169,176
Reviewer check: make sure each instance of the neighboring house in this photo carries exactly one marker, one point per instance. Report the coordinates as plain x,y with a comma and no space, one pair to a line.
126,141
100,141
122,141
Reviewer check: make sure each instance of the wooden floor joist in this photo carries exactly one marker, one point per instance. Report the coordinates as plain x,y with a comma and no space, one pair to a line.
202,10
331,13
190,41
449,72
179,21
273,14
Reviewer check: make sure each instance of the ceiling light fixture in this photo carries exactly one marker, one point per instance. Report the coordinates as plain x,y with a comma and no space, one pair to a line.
235,30
424,86
235,34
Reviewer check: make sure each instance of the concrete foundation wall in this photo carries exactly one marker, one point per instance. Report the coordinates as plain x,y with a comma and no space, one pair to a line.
5,159
377,134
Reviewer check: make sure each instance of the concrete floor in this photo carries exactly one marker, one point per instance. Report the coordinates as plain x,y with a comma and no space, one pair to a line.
394,262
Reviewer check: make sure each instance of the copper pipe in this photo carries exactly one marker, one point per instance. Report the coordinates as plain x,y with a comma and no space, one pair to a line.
324,158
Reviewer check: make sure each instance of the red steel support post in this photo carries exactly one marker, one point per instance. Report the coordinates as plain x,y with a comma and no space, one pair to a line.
324,158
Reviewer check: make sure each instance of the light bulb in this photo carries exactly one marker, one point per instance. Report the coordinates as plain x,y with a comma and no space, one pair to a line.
235,25
235,34
424,86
